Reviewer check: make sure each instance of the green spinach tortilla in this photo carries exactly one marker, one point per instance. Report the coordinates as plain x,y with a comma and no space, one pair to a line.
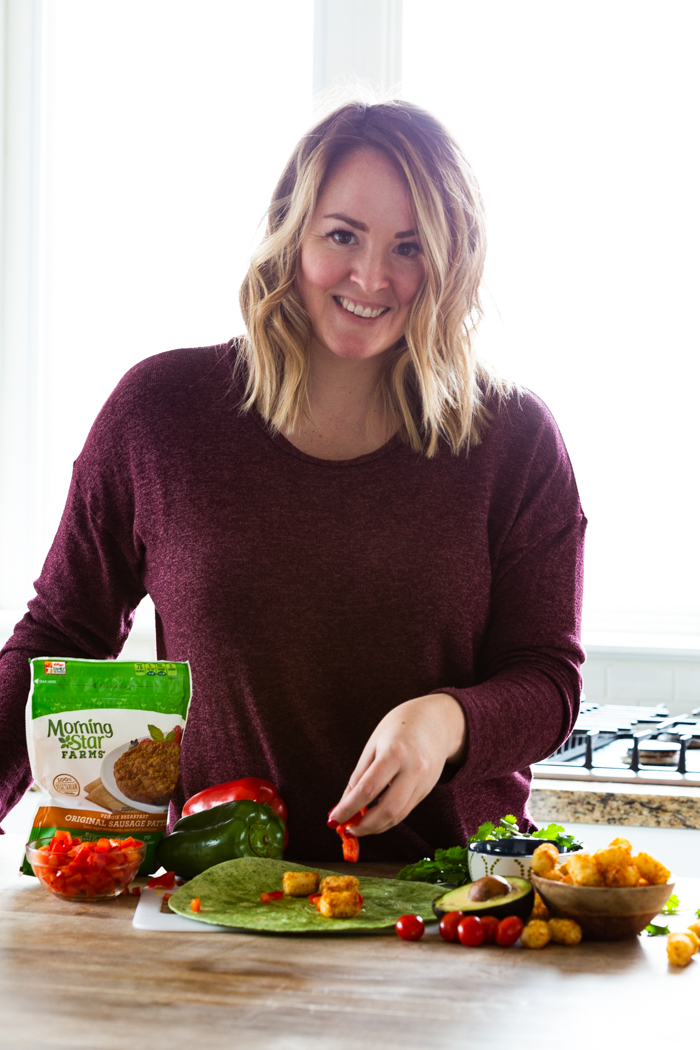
230,896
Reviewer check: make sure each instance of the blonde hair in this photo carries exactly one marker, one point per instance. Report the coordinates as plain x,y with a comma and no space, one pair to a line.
434,386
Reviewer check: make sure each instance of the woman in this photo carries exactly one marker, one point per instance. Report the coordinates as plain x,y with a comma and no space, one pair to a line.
369,550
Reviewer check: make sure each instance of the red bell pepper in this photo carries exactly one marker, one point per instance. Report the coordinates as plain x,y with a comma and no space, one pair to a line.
164,882
351,844
253,788
275,895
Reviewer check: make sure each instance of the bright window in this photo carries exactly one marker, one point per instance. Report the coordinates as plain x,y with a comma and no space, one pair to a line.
580,120
165,125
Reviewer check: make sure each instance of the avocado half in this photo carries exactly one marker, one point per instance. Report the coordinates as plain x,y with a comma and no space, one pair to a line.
518,902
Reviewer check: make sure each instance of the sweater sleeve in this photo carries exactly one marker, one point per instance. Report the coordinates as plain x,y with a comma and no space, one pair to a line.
526,698
85,599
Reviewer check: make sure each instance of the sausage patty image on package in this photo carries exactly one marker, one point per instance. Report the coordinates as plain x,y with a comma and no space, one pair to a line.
104,745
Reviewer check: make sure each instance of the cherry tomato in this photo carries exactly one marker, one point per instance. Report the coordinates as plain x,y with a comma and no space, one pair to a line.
449,924
410,927
490,925
508,931
471,931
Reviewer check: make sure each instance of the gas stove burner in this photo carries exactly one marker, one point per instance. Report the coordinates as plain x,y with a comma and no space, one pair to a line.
628,744
655,753
693,745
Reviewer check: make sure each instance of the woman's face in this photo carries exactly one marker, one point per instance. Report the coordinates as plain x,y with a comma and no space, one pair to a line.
361,263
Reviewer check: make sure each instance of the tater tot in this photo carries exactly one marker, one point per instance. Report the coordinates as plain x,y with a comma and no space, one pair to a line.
342,905
584,871
299,883
613,857
554,875
694,927
622,875
339,883
565,931
622,842
536,934
650,869
694,937
680,949
540,910
544,858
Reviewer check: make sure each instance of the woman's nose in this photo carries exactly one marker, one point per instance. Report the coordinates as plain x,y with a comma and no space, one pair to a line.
371,271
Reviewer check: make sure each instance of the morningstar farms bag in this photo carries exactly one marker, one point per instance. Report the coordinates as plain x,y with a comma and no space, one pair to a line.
104,746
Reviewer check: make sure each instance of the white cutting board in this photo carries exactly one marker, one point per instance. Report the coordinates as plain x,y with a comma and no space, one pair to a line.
148,916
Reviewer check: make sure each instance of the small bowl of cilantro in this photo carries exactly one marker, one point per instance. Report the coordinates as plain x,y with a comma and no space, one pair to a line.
494,849
502,849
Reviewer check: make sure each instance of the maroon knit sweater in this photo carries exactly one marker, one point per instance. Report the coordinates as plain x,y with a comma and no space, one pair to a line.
312,596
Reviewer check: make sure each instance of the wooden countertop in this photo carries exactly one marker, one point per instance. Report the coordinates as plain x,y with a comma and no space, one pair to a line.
79,976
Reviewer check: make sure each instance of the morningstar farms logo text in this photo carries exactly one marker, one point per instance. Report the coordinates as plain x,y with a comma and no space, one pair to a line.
80,739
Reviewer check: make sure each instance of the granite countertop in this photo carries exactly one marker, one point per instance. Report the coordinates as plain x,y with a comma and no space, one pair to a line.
634,805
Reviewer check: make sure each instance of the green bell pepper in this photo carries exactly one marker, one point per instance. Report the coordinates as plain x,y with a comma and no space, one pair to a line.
234,829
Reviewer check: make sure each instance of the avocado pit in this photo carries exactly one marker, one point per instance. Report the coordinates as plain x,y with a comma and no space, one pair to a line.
488,887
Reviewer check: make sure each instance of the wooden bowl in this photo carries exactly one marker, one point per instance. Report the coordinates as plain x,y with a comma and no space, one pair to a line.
604,913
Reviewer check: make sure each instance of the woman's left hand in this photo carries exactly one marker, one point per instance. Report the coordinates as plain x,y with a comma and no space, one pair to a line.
403,759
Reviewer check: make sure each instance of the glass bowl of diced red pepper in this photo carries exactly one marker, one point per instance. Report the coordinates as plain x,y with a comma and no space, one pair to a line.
85,871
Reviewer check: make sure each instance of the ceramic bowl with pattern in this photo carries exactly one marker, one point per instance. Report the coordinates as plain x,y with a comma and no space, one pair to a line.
503,857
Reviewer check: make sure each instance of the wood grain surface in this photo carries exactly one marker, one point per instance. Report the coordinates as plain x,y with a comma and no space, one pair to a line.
79,976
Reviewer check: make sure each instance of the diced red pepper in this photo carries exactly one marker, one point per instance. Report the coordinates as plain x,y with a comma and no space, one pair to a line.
136,892
166,897
87,869
314,898
165,882
61,842
196,904
275,895
351,845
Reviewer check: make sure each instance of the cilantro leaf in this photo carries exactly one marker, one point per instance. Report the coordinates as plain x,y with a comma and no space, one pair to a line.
552,831
450,865
671,906
483,832
656,931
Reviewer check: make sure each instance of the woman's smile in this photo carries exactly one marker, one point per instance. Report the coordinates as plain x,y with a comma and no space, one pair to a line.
358,310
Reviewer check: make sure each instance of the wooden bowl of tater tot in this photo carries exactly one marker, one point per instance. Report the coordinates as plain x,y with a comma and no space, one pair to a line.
612,893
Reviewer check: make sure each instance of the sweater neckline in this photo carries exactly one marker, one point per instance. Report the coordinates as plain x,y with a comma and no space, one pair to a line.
286,446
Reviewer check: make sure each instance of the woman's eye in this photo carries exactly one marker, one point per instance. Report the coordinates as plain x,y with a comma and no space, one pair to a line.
342,236
408,249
